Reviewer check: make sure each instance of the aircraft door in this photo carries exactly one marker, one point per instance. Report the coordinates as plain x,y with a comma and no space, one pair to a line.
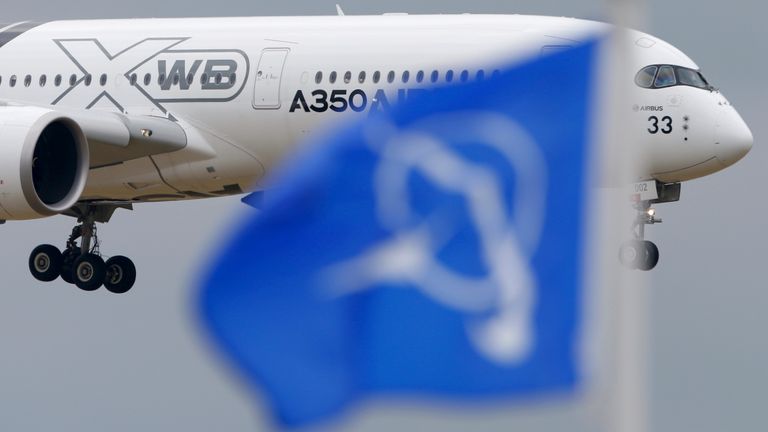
269,73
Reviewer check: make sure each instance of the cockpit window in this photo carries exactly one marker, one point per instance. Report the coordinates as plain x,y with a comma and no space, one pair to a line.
691,77
645,77
662,76
665,77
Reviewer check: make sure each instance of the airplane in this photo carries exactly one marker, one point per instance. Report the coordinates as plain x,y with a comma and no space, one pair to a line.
100,115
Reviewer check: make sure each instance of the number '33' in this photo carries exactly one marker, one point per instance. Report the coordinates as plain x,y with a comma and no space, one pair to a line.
666,126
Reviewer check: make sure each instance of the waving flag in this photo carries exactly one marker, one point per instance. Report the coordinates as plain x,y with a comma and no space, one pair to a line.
432,250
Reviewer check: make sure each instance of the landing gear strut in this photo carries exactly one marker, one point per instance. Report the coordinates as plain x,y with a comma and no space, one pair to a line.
82,264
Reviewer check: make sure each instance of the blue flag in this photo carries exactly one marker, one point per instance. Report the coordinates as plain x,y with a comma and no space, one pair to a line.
431,250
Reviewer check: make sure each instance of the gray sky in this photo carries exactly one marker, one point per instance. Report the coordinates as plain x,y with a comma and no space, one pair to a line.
91,362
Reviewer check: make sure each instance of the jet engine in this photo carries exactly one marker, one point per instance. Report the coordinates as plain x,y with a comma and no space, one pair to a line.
44,162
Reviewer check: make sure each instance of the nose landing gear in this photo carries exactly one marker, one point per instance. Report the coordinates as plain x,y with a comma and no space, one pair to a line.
83,265
641,254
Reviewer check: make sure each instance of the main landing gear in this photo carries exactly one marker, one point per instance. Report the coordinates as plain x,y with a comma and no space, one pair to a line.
639,253
82,264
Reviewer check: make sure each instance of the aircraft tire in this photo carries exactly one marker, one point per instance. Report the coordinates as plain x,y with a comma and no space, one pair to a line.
45,263
120,276
89,272
631,254
68,260
650,256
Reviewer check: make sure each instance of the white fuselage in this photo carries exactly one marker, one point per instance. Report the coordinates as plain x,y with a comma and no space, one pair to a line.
247,90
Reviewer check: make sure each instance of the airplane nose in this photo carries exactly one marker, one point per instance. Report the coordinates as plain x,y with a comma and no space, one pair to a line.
733,139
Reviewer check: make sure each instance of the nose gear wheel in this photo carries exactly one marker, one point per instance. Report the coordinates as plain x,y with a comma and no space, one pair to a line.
641,254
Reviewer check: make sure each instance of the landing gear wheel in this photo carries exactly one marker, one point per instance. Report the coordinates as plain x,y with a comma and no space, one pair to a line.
89,271
639,254
45,263
121,275
650,256
631,253
68,260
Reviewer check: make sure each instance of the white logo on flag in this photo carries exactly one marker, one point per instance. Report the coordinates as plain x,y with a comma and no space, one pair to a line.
505,296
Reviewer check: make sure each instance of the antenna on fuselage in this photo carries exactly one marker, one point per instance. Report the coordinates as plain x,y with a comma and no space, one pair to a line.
339,10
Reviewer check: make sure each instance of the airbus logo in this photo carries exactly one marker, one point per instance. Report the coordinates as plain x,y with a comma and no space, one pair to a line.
153,71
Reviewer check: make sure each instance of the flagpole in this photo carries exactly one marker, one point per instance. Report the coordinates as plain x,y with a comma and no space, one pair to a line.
628,394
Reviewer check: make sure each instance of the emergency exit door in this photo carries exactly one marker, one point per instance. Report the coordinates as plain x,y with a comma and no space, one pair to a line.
269,73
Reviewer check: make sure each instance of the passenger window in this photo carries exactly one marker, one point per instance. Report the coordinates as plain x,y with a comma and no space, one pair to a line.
57,80
133,78
361,77
72,80
435,76
480,75
449,75
43,80
665,77
420,76
218,78
376,77
332,77
318,77
103,80
176,79
232,78
496,73
645,77
161,79
464,75
12,82
88,79
1,80
406,77
391,77
27,80
347,77
148,79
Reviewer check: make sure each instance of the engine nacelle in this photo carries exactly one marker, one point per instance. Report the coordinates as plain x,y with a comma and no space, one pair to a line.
44,162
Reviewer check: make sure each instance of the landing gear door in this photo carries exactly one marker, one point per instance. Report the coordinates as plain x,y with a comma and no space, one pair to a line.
269,73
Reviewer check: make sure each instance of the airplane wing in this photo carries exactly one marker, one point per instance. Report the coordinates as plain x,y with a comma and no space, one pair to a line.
113,137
